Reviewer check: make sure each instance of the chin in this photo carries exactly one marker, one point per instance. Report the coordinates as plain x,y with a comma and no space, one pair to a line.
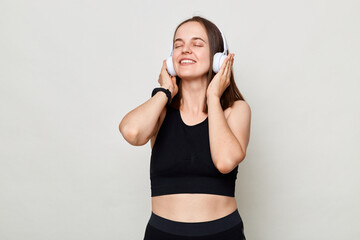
190,74
187,76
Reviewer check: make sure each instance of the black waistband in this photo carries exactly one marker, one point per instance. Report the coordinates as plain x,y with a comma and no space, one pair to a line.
195,228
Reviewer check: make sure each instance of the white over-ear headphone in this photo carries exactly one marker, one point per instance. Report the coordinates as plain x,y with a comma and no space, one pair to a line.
218,59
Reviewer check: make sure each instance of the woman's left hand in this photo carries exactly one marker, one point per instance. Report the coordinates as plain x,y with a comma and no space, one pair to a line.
221,80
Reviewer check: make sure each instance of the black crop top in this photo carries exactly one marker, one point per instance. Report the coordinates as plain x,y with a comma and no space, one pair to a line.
181,160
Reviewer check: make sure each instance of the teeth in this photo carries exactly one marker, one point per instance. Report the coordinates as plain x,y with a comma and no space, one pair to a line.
187,61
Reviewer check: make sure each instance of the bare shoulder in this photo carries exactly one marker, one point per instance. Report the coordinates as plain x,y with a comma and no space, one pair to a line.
240,107
158,125
239,122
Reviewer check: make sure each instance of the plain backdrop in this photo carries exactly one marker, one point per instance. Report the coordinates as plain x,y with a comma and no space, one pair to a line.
71,70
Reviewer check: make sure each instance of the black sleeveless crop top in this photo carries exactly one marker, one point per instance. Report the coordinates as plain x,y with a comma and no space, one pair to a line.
181,160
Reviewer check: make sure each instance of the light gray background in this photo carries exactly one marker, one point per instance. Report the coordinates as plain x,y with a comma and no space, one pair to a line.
71,70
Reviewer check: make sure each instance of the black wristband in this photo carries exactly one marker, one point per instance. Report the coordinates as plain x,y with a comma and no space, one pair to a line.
166,91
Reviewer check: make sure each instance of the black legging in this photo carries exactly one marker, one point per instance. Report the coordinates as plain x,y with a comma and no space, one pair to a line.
229,227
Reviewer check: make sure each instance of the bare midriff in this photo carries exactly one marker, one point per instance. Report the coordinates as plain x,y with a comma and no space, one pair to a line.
193,207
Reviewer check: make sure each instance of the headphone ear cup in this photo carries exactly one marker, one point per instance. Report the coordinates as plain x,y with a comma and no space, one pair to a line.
218,60
170,66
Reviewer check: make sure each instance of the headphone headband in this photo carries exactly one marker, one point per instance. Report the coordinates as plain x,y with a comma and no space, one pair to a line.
224,40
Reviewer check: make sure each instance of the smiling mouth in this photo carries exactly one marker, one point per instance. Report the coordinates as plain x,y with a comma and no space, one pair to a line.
187,62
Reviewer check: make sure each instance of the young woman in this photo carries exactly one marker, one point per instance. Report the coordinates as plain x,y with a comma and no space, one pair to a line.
199,127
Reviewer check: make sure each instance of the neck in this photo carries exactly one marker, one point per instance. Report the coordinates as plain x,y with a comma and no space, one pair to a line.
193,95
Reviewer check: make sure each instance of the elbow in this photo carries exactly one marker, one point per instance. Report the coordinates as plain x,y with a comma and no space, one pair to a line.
226,167
130,135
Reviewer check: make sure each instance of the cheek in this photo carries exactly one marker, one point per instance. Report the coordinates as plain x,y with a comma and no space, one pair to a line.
175,56
205,59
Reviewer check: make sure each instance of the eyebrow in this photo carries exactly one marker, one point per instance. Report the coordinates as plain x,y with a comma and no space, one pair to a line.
194,38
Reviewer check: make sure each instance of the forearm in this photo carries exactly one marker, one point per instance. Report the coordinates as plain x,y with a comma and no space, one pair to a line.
224,146
138,125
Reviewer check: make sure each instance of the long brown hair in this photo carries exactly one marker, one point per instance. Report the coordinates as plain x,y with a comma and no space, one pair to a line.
231,93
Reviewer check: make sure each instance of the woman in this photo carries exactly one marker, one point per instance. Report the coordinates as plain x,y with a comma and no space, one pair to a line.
199,127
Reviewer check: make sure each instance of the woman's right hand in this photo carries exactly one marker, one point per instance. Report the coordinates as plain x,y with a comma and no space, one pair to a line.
167,81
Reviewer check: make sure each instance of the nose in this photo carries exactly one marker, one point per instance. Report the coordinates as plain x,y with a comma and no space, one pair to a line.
185,49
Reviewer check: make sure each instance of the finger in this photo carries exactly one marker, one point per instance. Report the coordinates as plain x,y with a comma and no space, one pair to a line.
227,65
232,63
228,68
164,67
223,66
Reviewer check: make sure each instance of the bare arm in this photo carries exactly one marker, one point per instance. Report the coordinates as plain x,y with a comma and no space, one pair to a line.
229,138
140,124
